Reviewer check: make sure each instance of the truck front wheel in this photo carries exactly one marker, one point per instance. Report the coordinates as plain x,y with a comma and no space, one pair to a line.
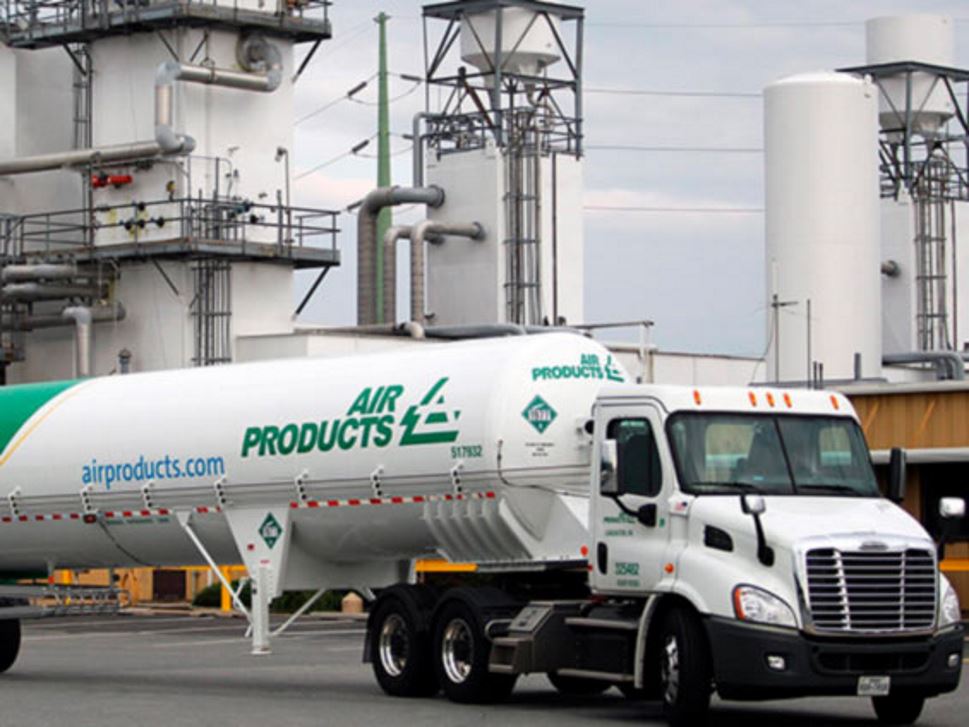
901,708
685,672
461,654
9,643
400,652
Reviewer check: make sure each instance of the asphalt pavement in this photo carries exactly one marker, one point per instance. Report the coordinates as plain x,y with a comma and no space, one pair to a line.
180,670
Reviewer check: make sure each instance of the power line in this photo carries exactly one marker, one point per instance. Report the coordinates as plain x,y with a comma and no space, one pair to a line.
690,149
663,210
353,151
348,96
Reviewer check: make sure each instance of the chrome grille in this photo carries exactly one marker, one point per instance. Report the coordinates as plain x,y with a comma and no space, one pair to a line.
870,591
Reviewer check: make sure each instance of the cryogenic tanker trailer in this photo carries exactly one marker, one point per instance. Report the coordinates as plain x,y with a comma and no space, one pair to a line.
669,541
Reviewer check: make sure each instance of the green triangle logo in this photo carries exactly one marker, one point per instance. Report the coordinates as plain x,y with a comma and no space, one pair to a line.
539,414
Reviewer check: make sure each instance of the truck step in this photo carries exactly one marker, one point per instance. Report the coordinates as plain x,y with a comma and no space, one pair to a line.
601,623
603,676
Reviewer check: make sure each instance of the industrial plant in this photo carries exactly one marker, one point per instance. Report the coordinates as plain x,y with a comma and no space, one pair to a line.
166,412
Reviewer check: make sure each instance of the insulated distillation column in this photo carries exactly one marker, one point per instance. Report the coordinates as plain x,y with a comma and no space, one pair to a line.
821,140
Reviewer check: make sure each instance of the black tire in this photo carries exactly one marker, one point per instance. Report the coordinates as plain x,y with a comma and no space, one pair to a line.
577,686
685,671
901,708
400,651
9,643
461,654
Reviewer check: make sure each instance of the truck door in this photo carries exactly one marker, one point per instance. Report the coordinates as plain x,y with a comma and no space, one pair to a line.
631,527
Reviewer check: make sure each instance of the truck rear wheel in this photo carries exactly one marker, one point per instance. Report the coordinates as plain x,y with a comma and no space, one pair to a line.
901,708
577,686
685,672
400,652
9,643
461,654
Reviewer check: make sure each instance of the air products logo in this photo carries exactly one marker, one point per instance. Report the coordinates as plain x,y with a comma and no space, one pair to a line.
539,414
371,421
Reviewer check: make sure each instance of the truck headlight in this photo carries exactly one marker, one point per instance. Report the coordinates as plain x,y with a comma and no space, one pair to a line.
949,613
759,606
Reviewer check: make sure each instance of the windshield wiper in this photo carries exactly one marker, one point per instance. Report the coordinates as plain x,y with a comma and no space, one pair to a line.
736,485
829,488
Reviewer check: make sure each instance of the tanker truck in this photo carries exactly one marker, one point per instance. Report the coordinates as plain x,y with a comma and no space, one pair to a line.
673,542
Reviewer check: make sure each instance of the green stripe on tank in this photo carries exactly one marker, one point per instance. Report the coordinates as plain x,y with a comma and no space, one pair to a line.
19,403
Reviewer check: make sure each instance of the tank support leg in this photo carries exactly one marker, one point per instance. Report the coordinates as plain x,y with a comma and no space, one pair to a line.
260,610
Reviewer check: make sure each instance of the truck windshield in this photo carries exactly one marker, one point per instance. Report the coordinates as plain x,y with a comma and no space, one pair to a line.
770,454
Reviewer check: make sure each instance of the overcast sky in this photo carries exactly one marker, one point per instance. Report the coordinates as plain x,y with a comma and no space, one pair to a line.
697,274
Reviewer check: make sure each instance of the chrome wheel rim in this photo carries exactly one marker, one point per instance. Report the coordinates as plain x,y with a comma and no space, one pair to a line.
393,645
670,670
457,650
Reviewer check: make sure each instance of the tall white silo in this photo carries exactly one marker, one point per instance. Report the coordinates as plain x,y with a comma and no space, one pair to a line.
821,139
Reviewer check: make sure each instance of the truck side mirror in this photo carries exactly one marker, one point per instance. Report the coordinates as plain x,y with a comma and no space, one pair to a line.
608,481
896,475
951,509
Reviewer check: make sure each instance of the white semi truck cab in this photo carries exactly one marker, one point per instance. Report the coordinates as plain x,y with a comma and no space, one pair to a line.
737,542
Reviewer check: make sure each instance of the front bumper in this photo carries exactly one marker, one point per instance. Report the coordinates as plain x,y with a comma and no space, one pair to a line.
827,666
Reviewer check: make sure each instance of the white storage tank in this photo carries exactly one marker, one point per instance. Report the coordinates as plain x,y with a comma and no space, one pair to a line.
822,209
921,38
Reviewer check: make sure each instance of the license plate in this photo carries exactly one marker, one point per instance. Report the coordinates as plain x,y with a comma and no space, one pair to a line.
874,686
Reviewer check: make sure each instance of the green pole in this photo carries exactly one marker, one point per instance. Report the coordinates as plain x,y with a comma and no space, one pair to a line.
385,220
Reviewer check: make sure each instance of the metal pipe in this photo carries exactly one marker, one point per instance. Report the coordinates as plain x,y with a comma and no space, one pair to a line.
485,330
262,55
24,273
427,230
370,208
393,234
41,291
417,140
948,364
81,315
99,314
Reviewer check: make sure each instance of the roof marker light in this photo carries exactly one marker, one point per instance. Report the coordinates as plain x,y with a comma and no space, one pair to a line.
834,402
696,397
770,399
753,398
787,400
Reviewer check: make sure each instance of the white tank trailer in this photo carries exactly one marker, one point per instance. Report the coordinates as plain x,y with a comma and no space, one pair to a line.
656,538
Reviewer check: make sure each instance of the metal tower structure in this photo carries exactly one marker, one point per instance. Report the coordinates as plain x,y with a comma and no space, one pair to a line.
504,77
193,214
927,163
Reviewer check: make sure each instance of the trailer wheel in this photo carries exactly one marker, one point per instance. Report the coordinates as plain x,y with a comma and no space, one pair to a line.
9,643
400,652
461,654
901,708
577,686
685,672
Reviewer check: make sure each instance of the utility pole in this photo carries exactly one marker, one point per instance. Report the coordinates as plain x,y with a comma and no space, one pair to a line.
385,219
776,304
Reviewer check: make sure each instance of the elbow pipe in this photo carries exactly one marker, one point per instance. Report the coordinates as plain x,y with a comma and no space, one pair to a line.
370,208
431,230
81,315
100,314
949,365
